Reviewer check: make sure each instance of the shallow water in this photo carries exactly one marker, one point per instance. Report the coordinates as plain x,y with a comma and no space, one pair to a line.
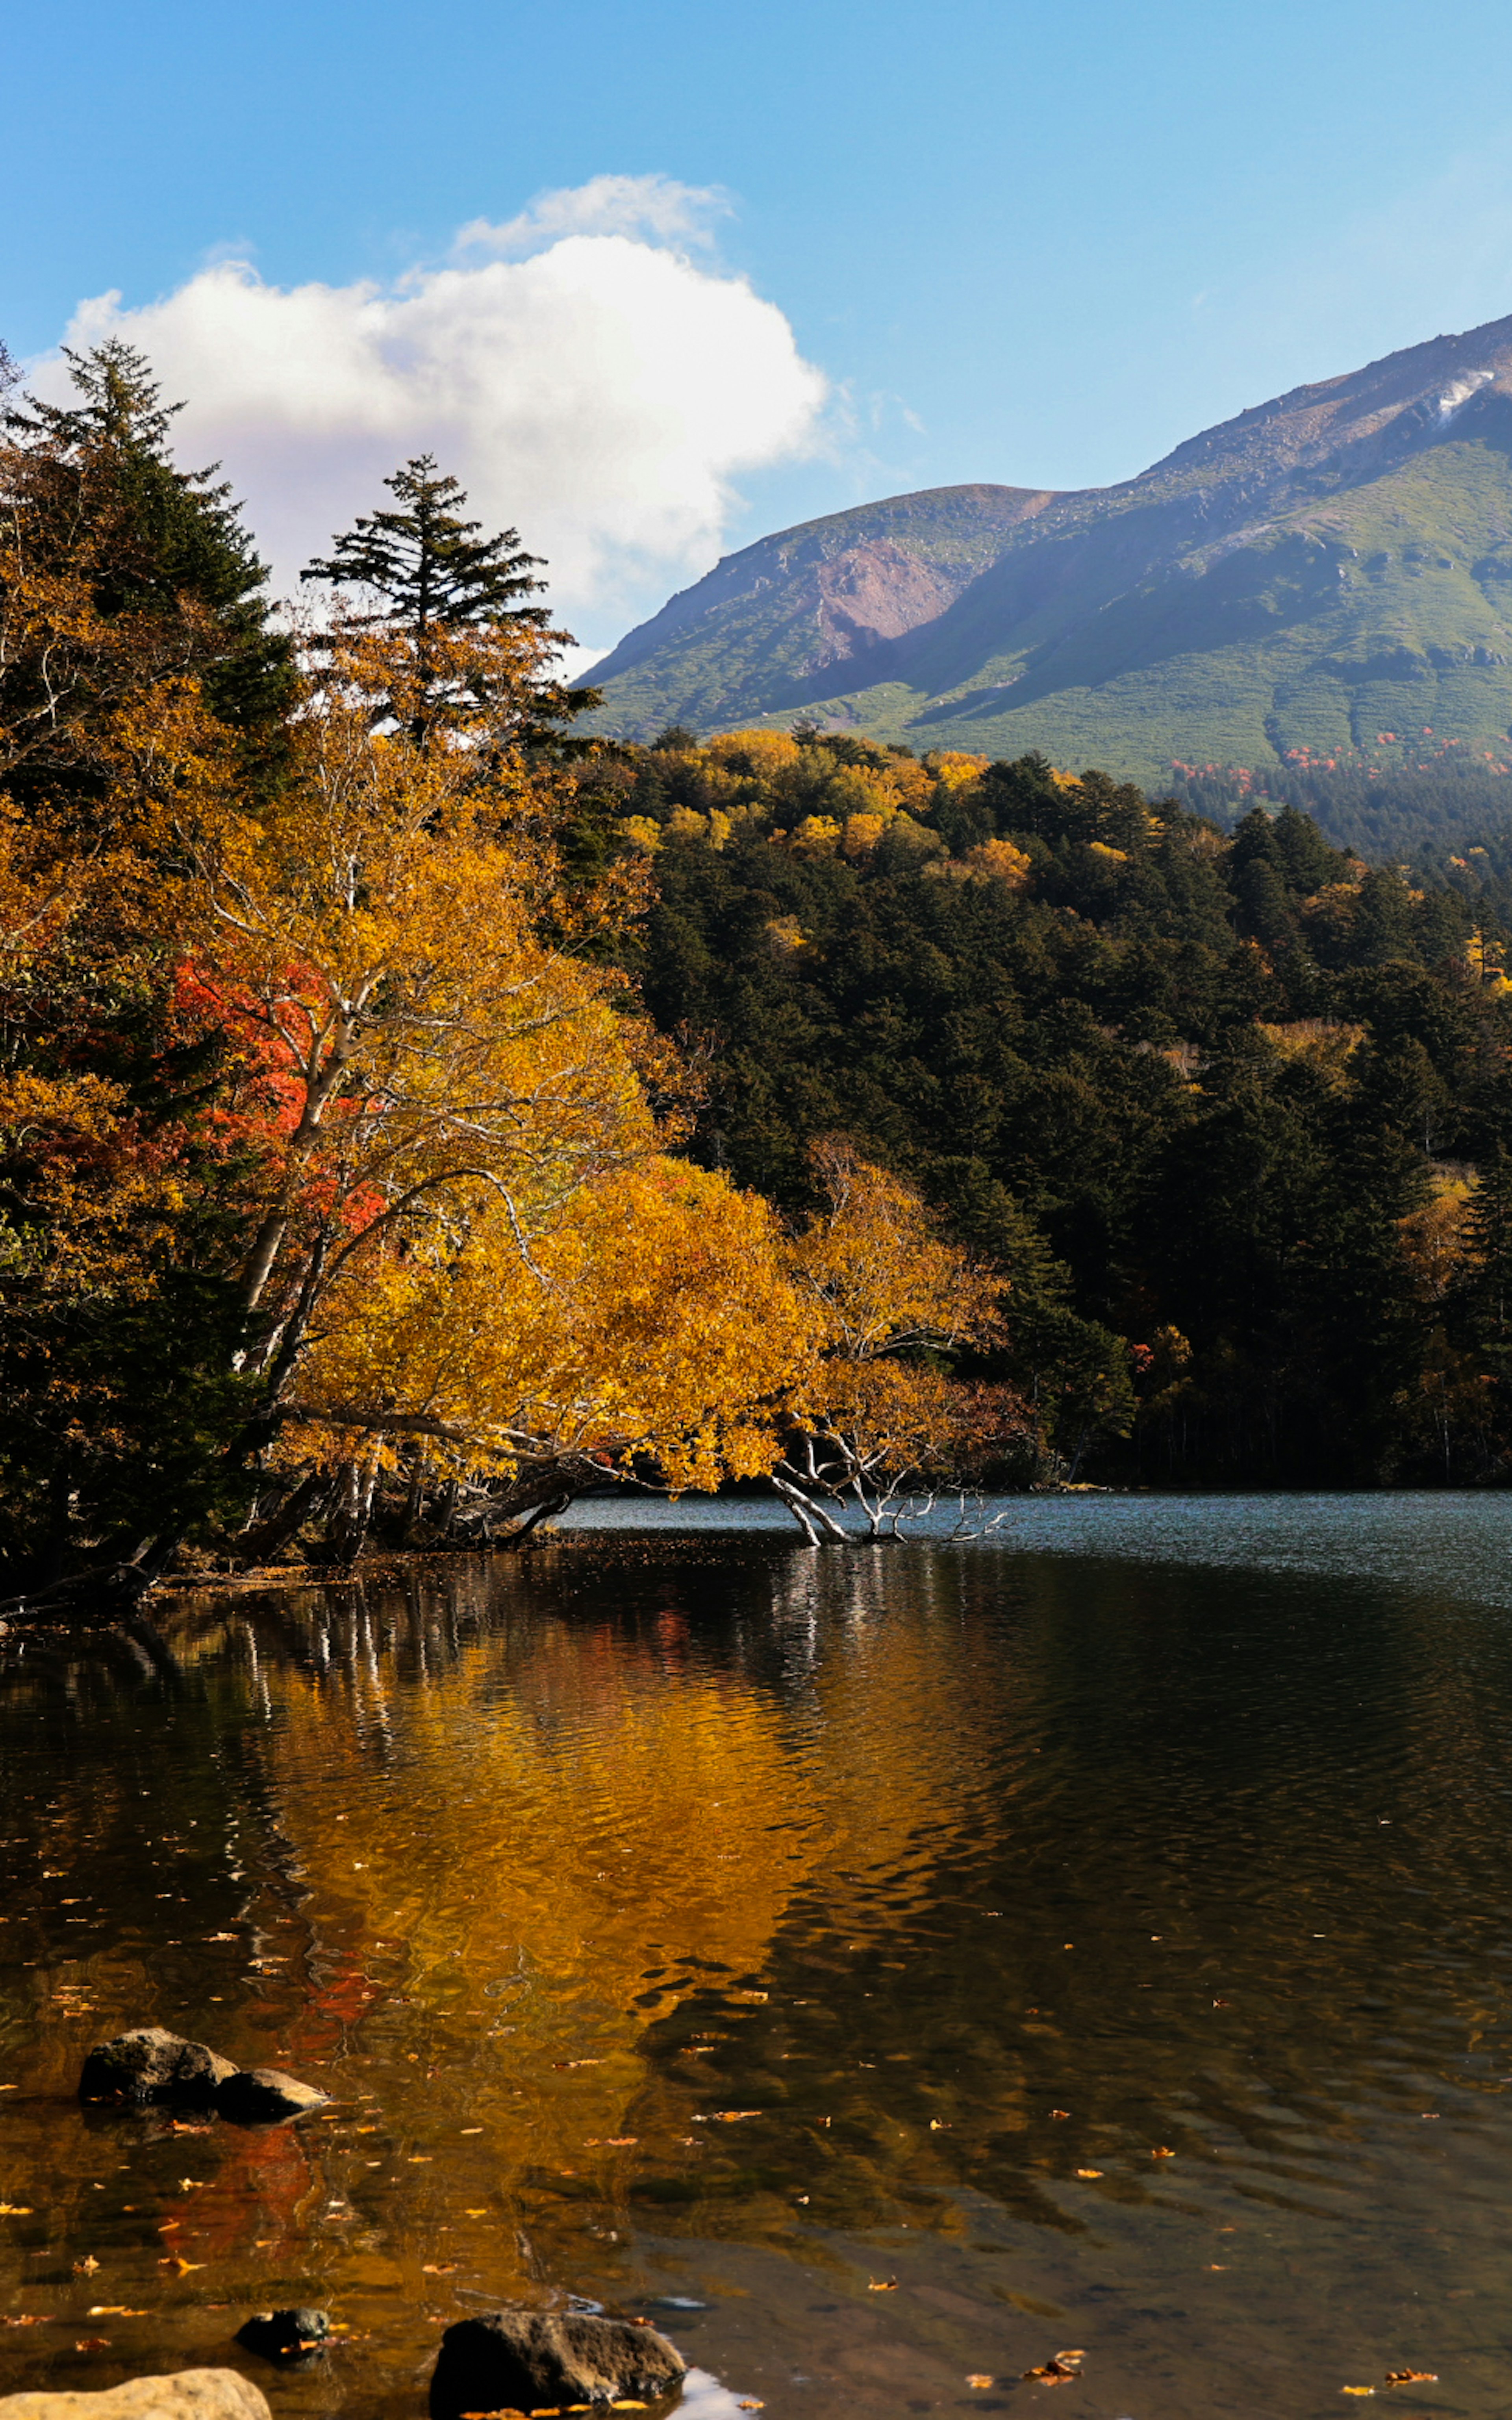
957,1870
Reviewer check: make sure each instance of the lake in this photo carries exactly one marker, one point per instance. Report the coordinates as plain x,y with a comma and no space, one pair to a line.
882,1967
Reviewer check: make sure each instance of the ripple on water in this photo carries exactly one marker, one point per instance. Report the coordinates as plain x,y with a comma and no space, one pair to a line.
1097,1936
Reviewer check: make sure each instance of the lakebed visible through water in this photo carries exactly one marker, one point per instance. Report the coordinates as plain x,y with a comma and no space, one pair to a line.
884,1968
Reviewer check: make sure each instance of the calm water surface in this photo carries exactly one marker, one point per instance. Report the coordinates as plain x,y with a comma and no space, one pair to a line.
720,1931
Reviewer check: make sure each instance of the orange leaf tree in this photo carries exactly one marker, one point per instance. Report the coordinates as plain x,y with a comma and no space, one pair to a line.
878,1411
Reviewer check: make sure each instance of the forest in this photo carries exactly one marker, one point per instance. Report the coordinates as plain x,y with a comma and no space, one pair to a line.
1229,1110
413,1114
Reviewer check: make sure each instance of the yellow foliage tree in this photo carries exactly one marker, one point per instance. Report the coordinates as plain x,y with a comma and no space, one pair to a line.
875,1414
471,1257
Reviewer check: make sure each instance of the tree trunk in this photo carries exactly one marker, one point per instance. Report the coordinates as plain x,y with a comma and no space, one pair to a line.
811,1518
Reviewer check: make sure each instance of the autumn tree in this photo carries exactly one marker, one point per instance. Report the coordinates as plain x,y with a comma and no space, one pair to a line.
469,1261
878,1410
135,669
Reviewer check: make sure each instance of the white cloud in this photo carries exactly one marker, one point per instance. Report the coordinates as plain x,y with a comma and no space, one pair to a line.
602,393
658,206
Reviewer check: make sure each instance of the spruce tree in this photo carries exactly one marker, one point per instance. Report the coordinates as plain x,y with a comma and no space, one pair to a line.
425,571
102,494
426,567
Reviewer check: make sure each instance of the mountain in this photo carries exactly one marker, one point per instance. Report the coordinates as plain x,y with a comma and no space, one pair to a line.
1329,572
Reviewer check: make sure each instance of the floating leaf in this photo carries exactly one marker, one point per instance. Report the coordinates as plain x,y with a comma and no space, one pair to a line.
177,2260
91,2344
1163,2151
623,2142
1357,2390
439,2269
883,2286
728,2117
27,2319
1058,2368
16,2209
751,2403
112,2311
979,2378
939,2125
1060,2113
1411,2377
86,2267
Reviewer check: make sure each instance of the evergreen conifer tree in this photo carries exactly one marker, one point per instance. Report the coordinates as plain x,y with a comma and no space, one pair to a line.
429,574
101,496
425,566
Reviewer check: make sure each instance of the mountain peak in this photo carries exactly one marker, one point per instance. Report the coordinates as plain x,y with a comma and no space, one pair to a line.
1332,562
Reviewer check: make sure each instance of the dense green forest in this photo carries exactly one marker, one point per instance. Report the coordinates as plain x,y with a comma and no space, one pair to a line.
1230,1110
1419,803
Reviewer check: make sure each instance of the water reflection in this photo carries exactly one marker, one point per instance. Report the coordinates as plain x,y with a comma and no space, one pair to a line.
724,1921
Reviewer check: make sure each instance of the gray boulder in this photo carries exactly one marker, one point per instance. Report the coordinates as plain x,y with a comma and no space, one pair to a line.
152,2065
516,2359
188,2394
260,2096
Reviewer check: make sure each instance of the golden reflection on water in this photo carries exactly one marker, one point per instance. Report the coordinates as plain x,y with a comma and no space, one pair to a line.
760,1927
567,1847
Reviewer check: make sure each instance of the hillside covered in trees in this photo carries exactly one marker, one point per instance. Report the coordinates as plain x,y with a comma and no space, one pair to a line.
413,1113
1231,1112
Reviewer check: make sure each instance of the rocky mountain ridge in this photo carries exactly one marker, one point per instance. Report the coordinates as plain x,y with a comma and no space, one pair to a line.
1320,569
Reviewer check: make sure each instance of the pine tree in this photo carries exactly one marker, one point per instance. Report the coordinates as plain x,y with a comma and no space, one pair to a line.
100,495
427,568
433,578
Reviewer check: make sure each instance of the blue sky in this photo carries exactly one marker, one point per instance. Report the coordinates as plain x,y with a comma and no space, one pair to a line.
1029,243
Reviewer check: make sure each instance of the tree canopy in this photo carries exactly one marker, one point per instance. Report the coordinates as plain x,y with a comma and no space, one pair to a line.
1223,1110
340,1168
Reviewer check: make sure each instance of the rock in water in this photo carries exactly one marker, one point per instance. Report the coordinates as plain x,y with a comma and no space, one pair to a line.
152,2065
260,2096
518,2359
285,2336
188,2394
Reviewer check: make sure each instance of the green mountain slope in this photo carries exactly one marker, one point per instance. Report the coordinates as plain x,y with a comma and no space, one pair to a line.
794,613
1325,568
